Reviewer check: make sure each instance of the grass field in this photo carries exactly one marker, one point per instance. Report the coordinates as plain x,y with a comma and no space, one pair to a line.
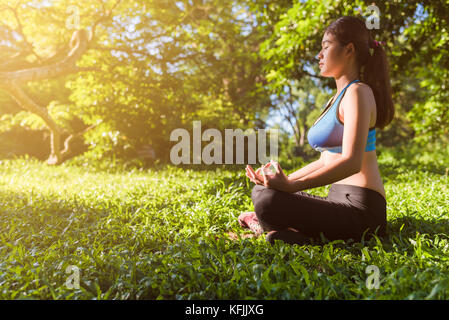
163,234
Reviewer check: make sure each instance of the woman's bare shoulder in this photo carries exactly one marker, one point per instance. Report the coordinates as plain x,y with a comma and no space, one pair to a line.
362,89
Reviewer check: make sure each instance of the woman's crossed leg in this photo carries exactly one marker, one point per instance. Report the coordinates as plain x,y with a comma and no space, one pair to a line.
309,214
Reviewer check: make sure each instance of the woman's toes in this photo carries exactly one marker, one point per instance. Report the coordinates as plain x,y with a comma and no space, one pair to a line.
255,227
246,217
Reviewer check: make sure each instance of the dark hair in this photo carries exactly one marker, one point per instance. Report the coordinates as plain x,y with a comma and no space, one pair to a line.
374,69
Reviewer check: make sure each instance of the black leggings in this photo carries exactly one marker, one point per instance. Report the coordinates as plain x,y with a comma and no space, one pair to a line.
347,212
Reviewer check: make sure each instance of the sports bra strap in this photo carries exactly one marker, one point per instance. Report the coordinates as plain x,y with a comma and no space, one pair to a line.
346,87
351,82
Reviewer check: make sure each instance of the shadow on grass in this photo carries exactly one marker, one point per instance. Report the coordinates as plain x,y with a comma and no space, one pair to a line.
391,170
400,230
411,226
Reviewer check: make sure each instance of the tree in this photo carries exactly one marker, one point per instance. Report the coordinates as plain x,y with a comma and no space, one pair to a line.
161,65
61,63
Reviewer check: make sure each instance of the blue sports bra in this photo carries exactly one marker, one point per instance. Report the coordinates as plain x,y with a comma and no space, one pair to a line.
327,132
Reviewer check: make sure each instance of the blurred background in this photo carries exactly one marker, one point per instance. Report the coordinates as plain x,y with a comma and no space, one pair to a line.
110,79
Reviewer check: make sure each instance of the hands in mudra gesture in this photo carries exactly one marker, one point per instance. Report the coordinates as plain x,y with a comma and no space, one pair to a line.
265,177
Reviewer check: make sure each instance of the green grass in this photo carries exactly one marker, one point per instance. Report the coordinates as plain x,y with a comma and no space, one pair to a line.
161,234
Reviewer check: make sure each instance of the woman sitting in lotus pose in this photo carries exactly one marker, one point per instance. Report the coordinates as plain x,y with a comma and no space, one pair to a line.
344,134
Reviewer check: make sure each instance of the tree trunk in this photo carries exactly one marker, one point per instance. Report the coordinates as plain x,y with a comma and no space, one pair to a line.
14,90
10,83
297,134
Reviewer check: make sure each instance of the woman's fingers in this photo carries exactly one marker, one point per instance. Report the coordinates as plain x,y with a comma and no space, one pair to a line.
251,176
248,174
277,165
258,176
251,179
251,172
255,177
265,180
265,167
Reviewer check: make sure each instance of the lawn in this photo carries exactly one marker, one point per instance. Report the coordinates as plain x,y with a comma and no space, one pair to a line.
162,233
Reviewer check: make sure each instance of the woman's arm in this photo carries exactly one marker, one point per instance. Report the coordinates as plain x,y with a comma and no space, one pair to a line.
340,168
311,167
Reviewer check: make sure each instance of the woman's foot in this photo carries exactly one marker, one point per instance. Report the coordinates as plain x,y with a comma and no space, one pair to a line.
245,217
249,220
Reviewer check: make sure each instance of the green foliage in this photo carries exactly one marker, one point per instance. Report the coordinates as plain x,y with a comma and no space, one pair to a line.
430,43
59,112
23,119
132,239
161,65
142,98
430,120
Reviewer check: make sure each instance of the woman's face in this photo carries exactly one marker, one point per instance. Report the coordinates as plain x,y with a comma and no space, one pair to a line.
331,58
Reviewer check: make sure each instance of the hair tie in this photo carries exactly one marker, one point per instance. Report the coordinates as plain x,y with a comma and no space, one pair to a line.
375,44
379,43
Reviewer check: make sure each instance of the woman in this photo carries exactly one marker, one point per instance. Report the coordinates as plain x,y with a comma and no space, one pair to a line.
355,207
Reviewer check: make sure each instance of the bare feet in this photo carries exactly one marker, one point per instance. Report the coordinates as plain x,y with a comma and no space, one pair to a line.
244,216
249,220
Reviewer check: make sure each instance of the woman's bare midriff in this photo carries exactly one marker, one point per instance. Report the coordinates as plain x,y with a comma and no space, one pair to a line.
367,177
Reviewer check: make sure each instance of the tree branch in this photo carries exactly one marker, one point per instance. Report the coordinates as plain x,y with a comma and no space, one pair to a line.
106,15
78,45
70,138
19,30
27,103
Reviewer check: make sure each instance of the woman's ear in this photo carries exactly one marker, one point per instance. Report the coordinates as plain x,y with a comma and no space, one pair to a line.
350,49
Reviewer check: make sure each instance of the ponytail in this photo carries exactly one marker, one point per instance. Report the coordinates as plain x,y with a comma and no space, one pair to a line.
376,73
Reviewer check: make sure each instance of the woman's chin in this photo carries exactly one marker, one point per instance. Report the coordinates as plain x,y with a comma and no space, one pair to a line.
324,73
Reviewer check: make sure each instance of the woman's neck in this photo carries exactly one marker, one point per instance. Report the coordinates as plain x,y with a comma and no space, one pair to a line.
343,80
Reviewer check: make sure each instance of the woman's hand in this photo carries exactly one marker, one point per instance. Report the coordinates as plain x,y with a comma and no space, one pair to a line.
278,181
255,177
